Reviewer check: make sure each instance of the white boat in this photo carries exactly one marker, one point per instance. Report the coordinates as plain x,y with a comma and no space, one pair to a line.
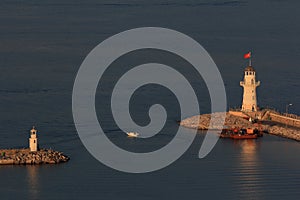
132,134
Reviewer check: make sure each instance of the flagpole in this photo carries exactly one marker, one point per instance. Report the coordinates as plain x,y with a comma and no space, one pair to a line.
250,59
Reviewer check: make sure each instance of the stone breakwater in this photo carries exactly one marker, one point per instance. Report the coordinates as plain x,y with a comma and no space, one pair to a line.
234,121
231,121
291,133
26,157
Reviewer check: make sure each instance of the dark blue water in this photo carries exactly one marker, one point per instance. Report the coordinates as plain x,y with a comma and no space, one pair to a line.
42,45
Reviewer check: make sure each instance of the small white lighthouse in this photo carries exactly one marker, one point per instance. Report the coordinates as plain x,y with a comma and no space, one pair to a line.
33,141
249,84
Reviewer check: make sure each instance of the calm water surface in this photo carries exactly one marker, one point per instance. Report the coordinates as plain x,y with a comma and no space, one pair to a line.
42,45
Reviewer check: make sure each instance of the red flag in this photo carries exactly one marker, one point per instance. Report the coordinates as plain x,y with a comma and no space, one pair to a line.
247,55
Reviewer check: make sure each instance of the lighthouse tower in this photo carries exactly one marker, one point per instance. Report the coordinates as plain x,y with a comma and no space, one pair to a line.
249,84
33,141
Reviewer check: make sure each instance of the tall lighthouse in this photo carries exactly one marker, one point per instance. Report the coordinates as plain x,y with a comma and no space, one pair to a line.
249,84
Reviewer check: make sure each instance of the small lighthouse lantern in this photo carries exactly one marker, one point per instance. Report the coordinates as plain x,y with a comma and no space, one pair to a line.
33,140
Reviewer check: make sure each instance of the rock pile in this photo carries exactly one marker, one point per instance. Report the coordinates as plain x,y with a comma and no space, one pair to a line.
25,157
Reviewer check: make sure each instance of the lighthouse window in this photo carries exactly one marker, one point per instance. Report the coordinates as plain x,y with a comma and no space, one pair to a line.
252,81
252,97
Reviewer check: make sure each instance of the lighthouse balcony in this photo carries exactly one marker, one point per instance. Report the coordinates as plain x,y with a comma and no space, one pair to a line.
258,83
242,83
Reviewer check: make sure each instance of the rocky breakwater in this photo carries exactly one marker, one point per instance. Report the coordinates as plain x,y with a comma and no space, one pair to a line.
286,132
231,121
234,121
26,157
